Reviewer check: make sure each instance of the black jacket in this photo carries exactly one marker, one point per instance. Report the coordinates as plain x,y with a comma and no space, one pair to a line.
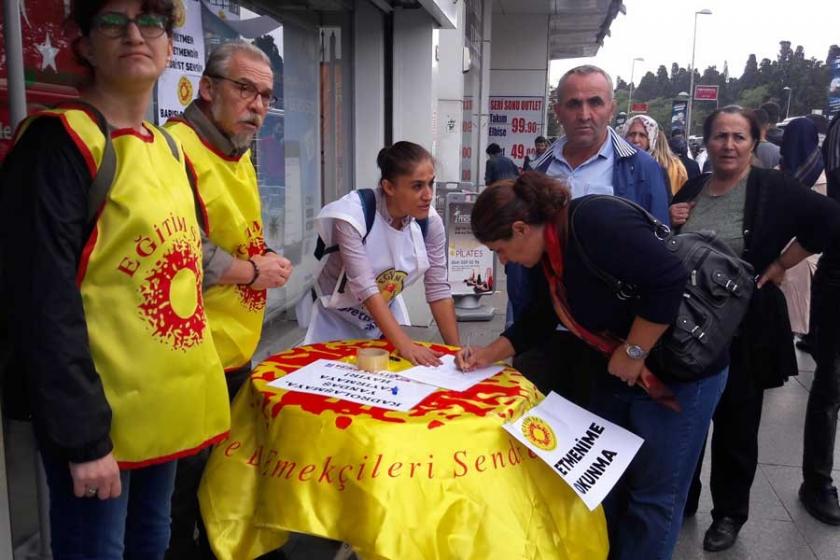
777,209
43,230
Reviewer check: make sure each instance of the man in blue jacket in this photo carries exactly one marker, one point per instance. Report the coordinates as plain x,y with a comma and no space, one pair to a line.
593,159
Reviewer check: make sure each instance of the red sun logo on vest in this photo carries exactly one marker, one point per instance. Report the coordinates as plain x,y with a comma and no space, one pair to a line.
172,302
252,300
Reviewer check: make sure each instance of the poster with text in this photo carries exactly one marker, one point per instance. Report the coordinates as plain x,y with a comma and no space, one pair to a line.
587,451
514,124
834,87
470,263
178,85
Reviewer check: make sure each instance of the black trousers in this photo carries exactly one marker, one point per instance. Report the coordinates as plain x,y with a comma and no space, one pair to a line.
563,364
188,540
734,448
824,399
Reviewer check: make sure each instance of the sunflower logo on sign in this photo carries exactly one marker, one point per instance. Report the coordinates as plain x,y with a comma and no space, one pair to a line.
537,431
185,91
180,13
171,298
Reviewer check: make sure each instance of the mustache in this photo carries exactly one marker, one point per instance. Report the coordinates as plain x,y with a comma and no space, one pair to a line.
252,118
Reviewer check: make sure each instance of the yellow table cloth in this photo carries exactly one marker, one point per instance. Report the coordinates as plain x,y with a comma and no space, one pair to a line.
442,481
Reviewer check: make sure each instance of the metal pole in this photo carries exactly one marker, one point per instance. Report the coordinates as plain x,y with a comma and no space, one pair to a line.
691,79
16,91
13,43
787,111
630,97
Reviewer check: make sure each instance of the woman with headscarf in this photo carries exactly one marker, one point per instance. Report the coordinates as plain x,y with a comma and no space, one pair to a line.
802,160
644,133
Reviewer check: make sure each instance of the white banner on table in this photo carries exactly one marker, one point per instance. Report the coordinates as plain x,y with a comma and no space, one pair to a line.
178,85
515,122
588,452
448,376
343,381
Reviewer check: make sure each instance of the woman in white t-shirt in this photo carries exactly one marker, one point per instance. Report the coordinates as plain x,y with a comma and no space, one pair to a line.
365,271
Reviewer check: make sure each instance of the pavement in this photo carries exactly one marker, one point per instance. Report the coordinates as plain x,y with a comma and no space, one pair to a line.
778,529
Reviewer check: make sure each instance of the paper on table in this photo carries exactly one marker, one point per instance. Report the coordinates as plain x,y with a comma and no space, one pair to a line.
343,381
448,376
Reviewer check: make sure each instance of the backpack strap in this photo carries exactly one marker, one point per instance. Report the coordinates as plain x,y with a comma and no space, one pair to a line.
173,147
368,199
101,184
170,141
369,208
424,227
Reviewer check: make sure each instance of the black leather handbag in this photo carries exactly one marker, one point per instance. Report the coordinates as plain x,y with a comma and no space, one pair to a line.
715,299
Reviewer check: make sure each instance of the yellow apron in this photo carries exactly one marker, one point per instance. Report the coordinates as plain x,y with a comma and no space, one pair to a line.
228,196
140,280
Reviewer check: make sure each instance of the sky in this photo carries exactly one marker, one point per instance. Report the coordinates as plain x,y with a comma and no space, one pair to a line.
660,31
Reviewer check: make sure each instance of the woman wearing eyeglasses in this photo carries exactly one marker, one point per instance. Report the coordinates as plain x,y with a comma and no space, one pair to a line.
109,325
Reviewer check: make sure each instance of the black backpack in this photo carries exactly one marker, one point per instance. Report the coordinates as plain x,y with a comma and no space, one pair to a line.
369,208
368,198
715,299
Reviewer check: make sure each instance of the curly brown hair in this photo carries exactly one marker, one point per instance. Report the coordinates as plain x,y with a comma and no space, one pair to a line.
533,198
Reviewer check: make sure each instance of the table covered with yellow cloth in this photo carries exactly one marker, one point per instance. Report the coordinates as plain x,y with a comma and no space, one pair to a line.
442,481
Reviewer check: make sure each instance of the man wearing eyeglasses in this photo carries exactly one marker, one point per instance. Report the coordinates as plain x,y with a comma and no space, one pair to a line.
216,131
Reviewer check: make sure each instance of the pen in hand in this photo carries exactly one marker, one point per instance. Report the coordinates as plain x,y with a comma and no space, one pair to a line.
467,353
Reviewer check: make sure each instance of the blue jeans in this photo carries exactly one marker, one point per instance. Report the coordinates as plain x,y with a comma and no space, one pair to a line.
644,510
133,526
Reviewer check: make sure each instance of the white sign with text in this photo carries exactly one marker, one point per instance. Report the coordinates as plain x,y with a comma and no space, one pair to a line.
586,451
342,380
178,85
515,122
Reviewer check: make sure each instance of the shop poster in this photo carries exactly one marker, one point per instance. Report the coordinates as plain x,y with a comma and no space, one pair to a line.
469,262
515,122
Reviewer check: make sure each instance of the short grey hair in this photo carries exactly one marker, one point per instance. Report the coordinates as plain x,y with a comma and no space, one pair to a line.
219,60
584,70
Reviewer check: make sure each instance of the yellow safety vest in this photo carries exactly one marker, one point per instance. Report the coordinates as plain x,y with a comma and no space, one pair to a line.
140,280
228,195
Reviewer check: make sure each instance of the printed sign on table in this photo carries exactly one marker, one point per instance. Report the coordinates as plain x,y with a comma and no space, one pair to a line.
178,85
515,122
343,381
588,452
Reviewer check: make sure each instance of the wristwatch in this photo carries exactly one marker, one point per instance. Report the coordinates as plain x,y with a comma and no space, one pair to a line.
635,352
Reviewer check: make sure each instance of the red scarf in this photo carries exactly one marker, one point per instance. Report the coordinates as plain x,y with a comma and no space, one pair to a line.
605,343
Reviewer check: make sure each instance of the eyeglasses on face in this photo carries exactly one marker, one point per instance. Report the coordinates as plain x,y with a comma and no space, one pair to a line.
249,91
115,24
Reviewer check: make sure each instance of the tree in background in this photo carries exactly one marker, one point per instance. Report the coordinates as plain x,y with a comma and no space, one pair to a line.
760,82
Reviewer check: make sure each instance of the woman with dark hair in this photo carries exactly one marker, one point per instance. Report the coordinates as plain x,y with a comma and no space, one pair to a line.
366,270
105,297
757,212
531,221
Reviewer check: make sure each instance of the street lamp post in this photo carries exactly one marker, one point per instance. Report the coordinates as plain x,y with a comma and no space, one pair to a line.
789,91
705,12
632,71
